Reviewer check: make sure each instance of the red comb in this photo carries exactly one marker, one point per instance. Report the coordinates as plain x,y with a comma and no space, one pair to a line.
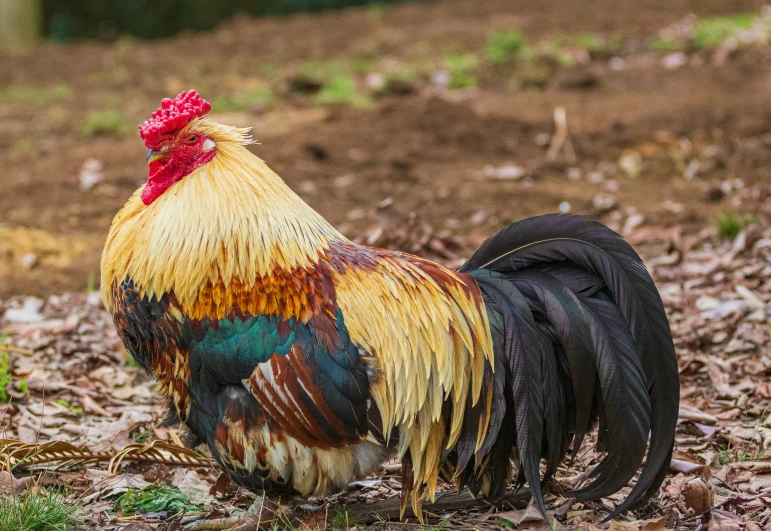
173,115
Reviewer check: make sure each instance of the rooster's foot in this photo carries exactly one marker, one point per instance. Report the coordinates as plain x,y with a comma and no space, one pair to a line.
261,515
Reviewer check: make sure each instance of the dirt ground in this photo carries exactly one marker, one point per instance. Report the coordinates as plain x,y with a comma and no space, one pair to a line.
668,145
426,150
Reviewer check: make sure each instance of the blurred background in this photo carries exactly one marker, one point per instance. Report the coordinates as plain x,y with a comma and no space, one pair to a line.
424,126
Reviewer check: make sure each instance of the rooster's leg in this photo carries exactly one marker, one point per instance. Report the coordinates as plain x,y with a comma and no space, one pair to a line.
261,514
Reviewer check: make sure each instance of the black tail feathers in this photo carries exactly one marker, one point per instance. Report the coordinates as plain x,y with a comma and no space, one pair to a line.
580,333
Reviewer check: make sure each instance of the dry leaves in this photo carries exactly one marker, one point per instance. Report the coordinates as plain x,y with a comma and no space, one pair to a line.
71,383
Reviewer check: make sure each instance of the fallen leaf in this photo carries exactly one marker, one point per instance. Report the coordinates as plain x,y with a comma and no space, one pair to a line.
9,485
190,484
689,412
90,406
696,496
137,526
655,525
723,521
530,514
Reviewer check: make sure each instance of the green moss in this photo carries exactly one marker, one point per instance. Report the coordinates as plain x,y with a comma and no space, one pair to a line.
104,123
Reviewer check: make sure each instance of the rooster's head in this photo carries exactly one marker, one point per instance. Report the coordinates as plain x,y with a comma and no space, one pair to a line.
177,146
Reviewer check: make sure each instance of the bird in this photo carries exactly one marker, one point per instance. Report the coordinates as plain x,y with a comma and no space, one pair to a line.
304,361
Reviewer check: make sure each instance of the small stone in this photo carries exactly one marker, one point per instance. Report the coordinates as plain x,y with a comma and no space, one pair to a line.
505,172
344,181
631,223
543,139
630,163
604,202
375,81
28,313
441,79
617,63
29,260
90,174
673,61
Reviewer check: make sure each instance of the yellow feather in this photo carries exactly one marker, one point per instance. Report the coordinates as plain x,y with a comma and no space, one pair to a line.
426,336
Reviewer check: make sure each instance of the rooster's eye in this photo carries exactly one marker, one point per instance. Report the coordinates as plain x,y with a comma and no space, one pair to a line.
192,138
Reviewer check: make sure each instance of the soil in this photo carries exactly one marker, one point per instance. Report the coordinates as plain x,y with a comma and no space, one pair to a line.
426,149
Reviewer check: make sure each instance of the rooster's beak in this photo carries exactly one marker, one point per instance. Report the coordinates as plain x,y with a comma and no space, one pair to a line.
153,155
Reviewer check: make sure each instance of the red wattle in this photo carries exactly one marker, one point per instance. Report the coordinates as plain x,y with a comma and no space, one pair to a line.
163,173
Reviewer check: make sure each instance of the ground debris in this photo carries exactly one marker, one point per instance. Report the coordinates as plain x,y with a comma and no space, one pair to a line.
71,381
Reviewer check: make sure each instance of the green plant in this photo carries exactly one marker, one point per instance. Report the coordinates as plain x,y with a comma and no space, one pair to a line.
35,95
663,44
64,403
589,42
462,70
322,70
375,12
505,46
342,89
25,147
5,375
729,225
341,520
260,96
91,282
38,510
729,454
141,436
21,386
153,498
712,32
362,64
104,123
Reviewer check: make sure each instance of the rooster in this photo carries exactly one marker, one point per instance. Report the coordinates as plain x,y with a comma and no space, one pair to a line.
303,361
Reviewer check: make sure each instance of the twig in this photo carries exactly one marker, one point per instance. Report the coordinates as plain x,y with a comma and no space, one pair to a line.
17,350
369,513
561,139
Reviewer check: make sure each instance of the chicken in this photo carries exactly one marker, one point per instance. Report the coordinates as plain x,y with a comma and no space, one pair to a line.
303,361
